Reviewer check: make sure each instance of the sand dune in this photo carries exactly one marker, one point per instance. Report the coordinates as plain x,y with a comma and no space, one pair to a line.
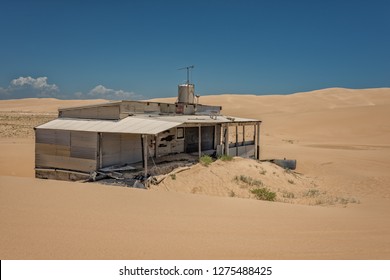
48,105
340,138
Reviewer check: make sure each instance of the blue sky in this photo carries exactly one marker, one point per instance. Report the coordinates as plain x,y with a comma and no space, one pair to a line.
132,49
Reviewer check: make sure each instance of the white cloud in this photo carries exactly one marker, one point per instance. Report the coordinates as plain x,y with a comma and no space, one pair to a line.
107,93
39,83
28,87
23,87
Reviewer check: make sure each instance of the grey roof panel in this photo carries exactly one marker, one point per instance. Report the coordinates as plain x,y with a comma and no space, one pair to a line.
127,125
140,124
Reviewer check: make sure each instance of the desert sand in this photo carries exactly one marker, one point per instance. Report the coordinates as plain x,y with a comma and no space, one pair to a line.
336,205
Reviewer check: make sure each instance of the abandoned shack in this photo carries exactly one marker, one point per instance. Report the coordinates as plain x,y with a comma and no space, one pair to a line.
88,138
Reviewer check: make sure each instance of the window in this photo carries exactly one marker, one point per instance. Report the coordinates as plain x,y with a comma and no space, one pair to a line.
180,133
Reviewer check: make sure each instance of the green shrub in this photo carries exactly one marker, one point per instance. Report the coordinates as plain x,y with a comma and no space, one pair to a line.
232,194
225,158
173,176
264,194
205,160
288,195
248,180
312,193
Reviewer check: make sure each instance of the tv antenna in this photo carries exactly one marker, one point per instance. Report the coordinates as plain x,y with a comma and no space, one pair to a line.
188,72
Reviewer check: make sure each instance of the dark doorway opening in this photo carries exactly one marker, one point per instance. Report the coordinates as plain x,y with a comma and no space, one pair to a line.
191,139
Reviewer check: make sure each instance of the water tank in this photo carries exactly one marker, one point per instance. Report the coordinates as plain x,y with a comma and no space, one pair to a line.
186,93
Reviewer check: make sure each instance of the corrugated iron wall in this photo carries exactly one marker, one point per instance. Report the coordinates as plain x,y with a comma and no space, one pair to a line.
120,149
102,112
62,149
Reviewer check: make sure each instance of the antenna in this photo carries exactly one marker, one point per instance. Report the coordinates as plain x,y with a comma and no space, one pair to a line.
188,72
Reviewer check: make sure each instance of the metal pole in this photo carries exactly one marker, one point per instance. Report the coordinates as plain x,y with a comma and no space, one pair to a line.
200,141
255,138
145,142
243,139
236,140
227,140
258,141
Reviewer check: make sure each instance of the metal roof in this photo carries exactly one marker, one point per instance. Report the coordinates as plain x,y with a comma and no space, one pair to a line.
196,118
127,125
139,124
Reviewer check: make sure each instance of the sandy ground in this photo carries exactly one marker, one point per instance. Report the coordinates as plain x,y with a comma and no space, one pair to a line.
335,206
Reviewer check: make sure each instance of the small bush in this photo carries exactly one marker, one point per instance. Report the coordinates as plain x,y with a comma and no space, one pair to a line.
288,195
312,193
226,158
248,180
205,160
232,194
264,194
173,176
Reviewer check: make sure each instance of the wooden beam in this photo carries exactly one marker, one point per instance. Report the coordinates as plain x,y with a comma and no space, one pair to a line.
227,141
258,141
243,138
100,150
237,140
215,137
145,144
200,141
255,139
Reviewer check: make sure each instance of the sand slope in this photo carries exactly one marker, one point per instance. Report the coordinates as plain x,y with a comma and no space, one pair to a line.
340,138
